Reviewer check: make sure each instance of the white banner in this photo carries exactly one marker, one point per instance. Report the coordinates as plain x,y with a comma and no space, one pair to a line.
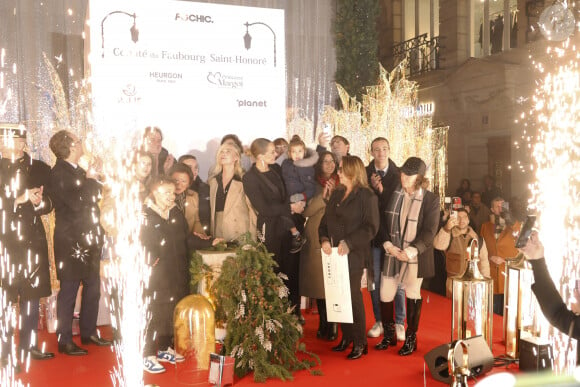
195,70
337,287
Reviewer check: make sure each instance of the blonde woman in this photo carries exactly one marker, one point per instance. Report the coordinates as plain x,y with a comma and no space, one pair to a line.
230,211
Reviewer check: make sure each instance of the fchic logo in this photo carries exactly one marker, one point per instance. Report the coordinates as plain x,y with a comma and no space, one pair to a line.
227,81
193,18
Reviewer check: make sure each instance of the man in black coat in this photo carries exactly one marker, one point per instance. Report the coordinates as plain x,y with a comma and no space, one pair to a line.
78,240
383,176
22,182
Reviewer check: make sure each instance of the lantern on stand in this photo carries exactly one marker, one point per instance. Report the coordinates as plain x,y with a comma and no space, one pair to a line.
472,308
519,304
194,327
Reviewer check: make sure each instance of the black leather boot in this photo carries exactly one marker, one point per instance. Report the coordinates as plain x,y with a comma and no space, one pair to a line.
342,346
413,316
389,338
332,331
389,335
358,351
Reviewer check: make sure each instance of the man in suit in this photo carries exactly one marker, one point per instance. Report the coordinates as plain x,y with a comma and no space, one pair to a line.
78,240
383,176
22,182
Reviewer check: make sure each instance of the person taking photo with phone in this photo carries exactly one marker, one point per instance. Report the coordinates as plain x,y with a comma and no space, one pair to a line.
454,239
498,234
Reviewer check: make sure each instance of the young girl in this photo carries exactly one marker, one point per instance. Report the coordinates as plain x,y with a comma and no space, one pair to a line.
298,174
166,238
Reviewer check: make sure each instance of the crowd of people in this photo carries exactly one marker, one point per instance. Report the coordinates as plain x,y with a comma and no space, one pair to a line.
300,202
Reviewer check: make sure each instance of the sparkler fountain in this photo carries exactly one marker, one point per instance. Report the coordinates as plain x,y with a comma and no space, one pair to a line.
556,153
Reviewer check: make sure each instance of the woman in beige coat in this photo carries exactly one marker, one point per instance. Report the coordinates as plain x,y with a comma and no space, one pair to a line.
311,279
186,199
231,213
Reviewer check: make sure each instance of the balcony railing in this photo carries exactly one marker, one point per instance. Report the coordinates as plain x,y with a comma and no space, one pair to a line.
421,54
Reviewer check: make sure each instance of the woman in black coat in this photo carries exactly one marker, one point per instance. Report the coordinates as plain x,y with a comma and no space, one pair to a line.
167,241
350,223
265,189
25,237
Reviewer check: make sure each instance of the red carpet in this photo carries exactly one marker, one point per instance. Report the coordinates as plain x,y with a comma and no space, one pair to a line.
371,370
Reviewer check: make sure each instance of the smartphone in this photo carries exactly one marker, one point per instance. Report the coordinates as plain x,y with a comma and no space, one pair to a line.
455,205
526,231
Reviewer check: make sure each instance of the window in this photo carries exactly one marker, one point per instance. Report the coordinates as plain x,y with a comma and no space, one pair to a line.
494,26
419,17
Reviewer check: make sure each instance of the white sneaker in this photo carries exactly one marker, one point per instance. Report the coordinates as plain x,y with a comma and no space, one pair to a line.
166,357
151,365
376,330
178,358
400,329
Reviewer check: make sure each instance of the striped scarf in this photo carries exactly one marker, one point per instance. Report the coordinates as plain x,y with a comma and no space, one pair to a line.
401,238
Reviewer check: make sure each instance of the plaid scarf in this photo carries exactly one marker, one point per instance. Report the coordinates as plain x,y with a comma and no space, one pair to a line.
180,201
401,238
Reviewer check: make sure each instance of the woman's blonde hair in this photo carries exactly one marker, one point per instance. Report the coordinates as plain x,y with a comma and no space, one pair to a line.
217,169
354,169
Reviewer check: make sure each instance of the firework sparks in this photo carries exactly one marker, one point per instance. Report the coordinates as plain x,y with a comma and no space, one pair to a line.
555,194
128,273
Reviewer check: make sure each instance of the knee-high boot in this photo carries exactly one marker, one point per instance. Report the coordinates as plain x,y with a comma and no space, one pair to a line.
322,332
413,316
389,335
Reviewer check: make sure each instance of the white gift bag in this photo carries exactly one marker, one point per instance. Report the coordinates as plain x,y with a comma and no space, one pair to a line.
337,287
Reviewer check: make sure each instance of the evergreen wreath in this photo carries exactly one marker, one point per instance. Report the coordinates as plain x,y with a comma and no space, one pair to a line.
262,331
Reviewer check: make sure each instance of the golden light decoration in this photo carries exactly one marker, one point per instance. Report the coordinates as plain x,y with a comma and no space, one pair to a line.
555,193
391,109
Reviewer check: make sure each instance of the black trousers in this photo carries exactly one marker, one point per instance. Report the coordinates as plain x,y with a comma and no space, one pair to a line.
356,330
29,314
160,329
65,304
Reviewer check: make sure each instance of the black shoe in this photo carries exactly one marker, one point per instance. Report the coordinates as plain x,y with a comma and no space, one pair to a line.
332,331
301,320
37,354
96,340
297,242
72,349
342,346
358,351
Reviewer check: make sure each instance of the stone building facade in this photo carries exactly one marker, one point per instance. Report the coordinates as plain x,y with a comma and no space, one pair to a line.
480,79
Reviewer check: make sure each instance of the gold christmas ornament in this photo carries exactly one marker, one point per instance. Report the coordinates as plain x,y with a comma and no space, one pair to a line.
194,324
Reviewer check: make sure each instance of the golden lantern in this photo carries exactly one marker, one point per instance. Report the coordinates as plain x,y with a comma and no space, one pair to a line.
194,324
472,308
519,303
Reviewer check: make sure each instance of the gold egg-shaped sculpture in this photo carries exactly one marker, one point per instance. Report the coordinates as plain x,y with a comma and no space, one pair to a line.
194,328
